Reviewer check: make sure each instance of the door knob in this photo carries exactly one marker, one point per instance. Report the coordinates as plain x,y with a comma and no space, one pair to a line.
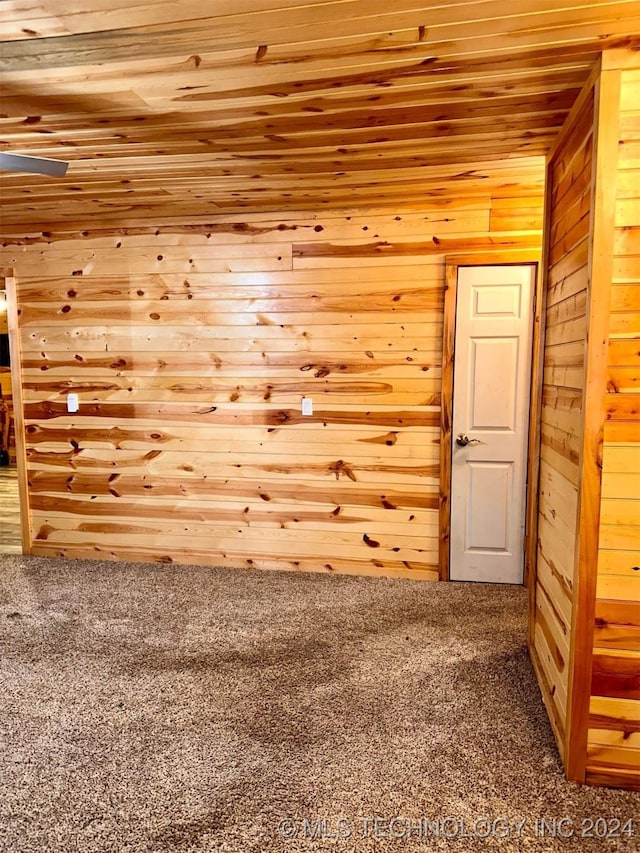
463,440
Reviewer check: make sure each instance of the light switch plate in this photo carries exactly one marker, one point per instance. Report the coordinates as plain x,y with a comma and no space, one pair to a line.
307,406
72,403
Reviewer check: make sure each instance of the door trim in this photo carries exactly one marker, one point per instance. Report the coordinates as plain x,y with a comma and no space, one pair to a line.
452,264
18,412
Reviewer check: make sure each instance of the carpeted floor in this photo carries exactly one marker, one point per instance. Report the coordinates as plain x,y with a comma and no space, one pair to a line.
162,708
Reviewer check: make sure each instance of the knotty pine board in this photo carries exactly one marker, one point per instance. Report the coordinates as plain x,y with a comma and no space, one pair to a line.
190,345
187,108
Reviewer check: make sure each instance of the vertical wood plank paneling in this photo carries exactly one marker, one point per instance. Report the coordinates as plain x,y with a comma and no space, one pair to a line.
614,728
190,346
17,404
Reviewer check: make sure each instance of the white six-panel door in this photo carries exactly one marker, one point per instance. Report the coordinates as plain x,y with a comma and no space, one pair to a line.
491,387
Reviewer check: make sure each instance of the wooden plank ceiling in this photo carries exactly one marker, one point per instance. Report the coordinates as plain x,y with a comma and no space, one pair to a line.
205,107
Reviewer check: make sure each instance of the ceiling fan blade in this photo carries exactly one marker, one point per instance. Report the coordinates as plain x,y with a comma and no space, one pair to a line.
38,165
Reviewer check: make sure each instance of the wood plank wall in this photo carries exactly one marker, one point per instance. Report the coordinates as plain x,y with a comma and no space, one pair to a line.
614,725
586,603
569,177
191,345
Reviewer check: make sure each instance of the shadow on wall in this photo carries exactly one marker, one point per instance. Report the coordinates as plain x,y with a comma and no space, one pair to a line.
5,382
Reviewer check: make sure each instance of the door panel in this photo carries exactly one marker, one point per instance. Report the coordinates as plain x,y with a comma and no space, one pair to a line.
492,367
499,301
493,383
487,528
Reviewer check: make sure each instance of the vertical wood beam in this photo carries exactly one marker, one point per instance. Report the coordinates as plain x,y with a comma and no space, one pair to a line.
535,428
606,137
15,351
446,416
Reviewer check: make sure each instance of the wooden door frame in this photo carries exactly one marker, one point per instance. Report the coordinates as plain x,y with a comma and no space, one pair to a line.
452,265
7,275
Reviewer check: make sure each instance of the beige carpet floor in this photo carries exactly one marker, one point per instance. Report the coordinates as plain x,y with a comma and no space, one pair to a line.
149,708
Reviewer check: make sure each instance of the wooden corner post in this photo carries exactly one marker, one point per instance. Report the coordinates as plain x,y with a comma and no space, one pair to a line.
18,412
